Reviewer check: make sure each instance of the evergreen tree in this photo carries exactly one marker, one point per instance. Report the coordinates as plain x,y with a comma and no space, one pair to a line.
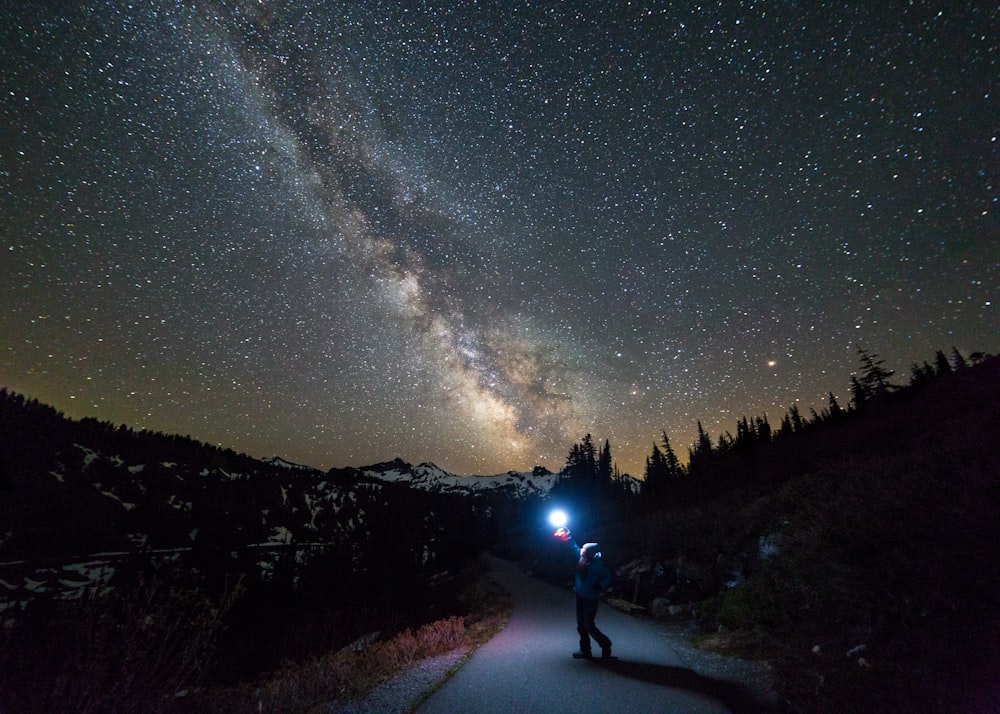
794,418
701,452
761,429
941,364
745,433
574,462
672,463
921,374
858,394
836,411
581,466
875,376
620,485
957,360
703,446
655,478
604,475
589,455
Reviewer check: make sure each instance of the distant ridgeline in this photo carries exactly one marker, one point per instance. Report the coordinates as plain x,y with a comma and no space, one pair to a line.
83,502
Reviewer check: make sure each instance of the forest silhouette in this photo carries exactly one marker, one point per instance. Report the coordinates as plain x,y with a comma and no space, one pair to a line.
868,528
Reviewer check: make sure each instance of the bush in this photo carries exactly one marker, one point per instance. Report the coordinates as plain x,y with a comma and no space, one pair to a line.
341,675
893,553
354,670
884,529
132,649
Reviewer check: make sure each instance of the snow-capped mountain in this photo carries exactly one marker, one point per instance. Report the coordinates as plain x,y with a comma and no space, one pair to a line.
430,477
290,465
81,499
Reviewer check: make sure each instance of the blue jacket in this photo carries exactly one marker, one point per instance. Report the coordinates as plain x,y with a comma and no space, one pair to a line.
592,576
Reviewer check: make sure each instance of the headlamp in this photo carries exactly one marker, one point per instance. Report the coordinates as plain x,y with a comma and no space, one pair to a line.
558,518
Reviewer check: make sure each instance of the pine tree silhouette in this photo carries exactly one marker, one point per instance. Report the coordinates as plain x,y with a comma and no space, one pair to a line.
957,360
874,379
655,478
836,411
941,364
604,475
673,464
700,454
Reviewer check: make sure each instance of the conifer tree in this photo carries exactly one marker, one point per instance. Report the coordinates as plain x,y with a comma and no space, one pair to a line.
764,429
670,460
941,364
621,486
858,394
604,475
795,418
574,461
703,446
589,456
874,375
581,465
957,360
655,478
701,452
836,411
745,435
921,374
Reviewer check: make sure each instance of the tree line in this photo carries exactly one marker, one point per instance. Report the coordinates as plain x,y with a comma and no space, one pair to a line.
590,471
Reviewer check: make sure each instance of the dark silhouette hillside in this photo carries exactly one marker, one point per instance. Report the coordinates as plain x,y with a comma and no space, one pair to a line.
856,553
854,550
234,564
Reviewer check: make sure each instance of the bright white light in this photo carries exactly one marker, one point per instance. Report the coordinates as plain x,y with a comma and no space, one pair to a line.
558,518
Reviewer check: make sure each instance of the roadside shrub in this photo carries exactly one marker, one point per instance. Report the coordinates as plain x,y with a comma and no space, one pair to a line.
341,675
890,553
351,671
133,649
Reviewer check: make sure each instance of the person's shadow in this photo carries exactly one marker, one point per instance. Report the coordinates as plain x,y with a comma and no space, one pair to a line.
736,697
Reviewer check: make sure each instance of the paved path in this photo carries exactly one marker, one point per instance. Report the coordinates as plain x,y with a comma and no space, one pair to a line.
528,666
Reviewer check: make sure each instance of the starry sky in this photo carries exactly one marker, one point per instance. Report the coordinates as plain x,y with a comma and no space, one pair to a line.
472,232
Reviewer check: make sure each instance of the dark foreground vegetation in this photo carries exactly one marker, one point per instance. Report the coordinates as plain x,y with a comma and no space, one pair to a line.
854,550
147,572
155,647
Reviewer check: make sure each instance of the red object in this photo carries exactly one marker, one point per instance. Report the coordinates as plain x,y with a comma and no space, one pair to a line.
561,533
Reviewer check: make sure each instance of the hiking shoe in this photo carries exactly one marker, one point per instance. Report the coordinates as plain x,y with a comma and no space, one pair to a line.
582,655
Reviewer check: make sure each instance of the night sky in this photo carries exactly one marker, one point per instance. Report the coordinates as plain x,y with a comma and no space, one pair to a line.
471,233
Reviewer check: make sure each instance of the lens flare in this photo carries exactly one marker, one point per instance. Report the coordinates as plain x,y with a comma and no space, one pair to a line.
558,518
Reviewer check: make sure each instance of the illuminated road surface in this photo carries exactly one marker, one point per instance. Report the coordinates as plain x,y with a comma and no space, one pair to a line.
528,667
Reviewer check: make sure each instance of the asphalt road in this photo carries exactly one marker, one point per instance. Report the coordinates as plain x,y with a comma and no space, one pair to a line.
528,666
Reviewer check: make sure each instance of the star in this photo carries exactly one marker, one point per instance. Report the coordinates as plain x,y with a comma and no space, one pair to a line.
342,233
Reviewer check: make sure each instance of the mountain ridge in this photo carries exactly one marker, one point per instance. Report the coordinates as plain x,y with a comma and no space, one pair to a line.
74,492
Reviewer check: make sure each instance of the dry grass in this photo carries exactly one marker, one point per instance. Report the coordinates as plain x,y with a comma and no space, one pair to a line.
351,672
133,650
149,647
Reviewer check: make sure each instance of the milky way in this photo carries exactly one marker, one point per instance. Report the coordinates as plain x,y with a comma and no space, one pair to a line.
473,233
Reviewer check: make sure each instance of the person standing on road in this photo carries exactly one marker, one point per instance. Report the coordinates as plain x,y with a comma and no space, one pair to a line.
592,578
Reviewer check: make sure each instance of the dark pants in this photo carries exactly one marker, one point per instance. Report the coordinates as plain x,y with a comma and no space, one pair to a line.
586,611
